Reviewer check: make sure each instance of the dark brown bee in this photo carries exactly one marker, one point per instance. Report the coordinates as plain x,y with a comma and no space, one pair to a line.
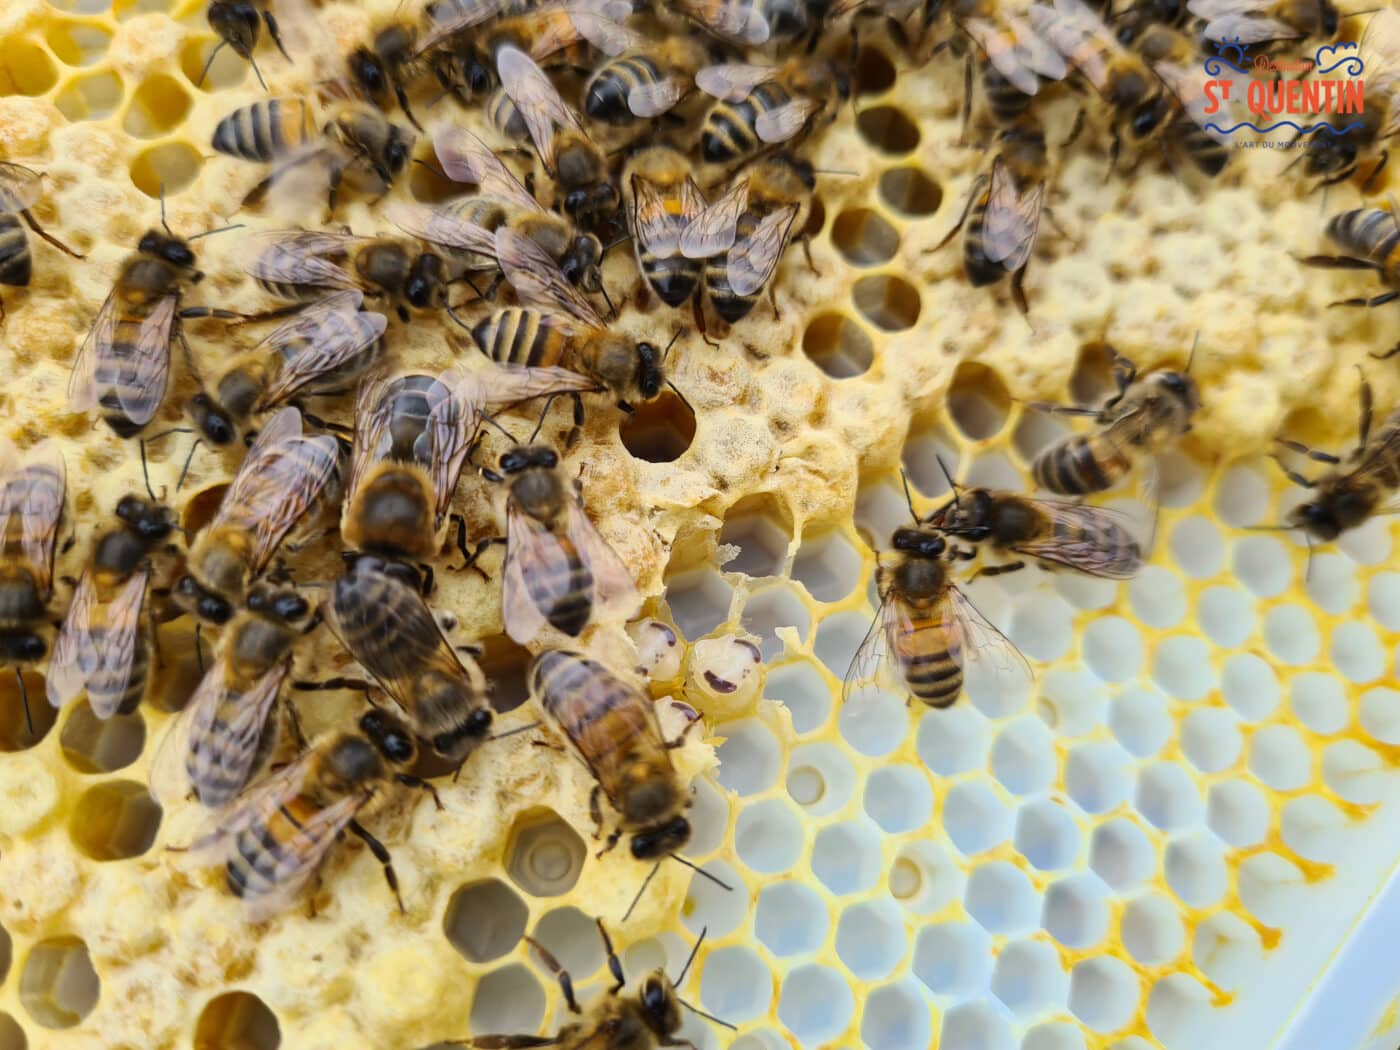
279,483
379,616
1174,57
613,728
502,115
20,189
1003,219
324,349
238,24
276,835
33,489
386,65
1144,417
761,106
642,85
103,647
1336,154
752,23
1370,237
1014,59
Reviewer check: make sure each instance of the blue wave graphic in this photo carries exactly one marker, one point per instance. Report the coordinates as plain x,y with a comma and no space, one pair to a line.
1284,124
1354,67
1213,64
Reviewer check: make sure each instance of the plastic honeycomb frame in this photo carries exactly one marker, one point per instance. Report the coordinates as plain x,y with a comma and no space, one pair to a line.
1160,841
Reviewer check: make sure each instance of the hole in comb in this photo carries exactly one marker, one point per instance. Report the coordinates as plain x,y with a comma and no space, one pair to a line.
910,191
761,527
485,920
172,165
838,346
157,106
505,663
94,97
508,1000
59,987
11,1034
96,745
660,430
864,238
874,72
888,129
226,71
15,732
237,1021
978,400
6,950
889,303
1092,379
25,68
125,9
429,185
115,820
77,43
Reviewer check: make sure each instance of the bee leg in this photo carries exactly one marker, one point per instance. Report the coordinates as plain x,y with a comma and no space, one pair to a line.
332,684
967,210
199,647
998,570
1337,262
595,810
1075,131
1018,291
1294,476
566,983
773,298
507,1042
967,100
311,911
481,548
1062,410
402,96
294,724
697,310
614,964
1379,300
34,225
382,855
409,780
1371,178
1315,454
807,251
273,31
1114,149
24,699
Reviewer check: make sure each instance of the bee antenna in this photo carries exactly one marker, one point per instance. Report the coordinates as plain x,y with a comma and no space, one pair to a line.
701,871
683,400
621,240
452,313
709,1017
432,167
217,229
186,468
908,496
603,288
145,473
667,351
1307,567
24,699
543,413
257,72
162,210
1355,14
512,732
957,498
491,420
836,171
694,948
209,62
642,889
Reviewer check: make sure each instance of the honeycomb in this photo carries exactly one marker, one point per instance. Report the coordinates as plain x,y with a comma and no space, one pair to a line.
1159,840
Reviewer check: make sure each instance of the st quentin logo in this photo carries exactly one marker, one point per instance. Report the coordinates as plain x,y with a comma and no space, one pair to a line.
1269,97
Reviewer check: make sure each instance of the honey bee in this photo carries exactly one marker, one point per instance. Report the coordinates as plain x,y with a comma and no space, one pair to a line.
564,148
652,1019
33,489
123,365
323,349
556,324
1145,416
642,85
760,106
1173,56
238,24
1002,220
612,726
385,65
753,23
20,189
379,616
281,481
1262,21
673,229
501,114
1370,237
779,200
926,628
1354,489
348,138
306,264
1337,154
104,644
1015,62
276,835
225,733
1052,533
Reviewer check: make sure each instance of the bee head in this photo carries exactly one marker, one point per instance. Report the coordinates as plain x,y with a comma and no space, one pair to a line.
171,249
424,281
213,423
523,457
367,70
1329,18
22,647
650,375
1318,519
398,149
659,1006
920,542
282,604
237,23
390,736
208,607
580,262
1182,387
1149,116
151,521
652,843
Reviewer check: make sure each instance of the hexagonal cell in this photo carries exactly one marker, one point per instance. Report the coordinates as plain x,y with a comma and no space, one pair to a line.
659,430
58,985
1158,596
158,105
1238,812
711,906
115,820
1046,834
864,237
1242,495
225,71
1179,1012
888,302
1330,582
1263,564
12,1036
838,345
815,1004
735,984
544,856
1141,721
25,716
1315,829
1042,626
768,836
953,958
1028,978
1097,776
1227,949
750,758
827,566
760,527
803,691
1037,431
25,68
1121,854
1368,544
77,43
976,1026
887,129
1183,668
1210,739
1197,547
94,97
94,745
699,601
1091,382
1167,796
1250,686
1001,898
1076,910
1226,615
1280,758
1023,757
873,722
1356,773
1103,993
1196,870
880,506
484,920
1072,702
928,450
898,798
895,1018
994,470
709,817
978,401
846,856
510,999
171,165
790,918
910,190
1151,930
237,1020
1356,652
772,608
975,818
572,938
1320,702
505,664
870,939
837,638
1056,1035
820,778
953,742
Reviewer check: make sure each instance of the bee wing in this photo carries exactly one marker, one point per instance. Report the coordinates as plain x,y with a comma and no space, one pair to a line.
372,438
527,543
122,634
1087,539
737,23
454,413
535,97
507,385
1380,56
733,81
780,124
20,187
873,652
752,261
1249,29
297,257
615,595
713,230
148,367
538,281
1035,53
82,381
465,158
459,16
279,480
1001,51
602,31
656,98
1077,33
1190,92
441,227
1012,219
33,497
656,227
328,335
972,637
74,650
227,730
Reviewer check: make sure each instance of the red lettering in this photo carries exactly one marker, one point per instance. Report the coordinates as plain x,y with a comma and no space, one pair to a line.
1310,95
1295,97
1353,97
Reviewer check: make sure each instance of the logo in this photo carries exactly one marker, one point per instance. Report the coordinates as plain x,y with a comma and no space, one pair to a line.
1269,97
